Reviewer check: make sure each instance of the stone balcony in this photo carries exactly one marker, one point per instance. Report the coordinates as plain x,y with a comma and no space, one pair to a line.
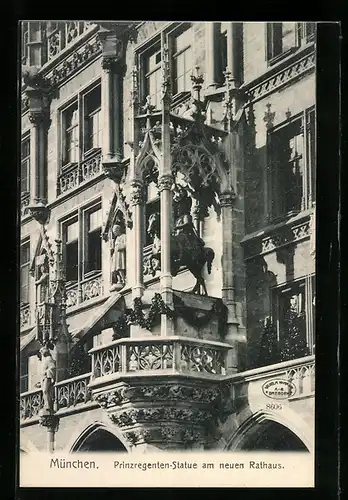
161,392
76,174
168,355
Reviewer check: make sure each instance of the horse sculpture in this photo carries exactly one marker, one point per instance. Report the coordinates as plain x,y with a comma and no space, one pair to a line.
187,249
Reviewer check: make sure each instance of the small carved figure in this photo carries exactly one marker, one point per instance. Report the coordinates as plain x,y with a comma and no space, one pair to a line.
186,233
42,283
48,378
118,254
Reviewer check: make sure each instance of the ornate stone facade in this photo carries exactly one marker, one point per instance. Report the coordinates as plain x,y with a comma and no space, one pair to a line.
167,264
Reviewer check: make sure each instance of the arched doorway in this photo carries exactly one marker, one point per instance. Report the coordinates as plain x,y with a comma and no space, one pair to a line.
272,436
99,440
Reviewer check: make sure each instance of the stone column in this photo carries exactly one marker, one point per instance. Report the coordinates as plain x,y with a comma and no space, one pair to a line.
233,34
112,97
38,100
38,171
211,53
113,65
228,288
137,202
165,183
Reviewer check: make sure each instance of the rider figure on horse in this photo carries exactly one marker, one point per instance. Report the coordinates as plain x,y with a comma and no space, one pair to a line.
188,240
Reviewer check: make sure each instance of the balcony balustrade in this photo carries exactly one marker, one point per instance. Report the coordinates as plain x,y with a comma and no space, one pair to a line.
25,202
163,356
166,355
75,174
72,392
88,289
300,372
25,317
31,402
64,34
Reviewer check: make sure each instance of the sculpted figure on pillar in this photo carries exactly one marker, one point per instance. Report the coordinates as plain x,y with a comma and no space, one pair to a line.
48,378
118,256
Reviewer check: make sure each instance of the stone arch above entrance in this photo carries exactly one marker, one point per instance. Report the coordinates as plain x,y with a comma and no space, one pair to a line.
98,438
264,432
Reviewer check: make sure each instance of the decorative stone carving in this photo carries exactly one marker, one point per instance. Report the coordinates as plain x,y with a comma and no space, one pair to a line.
165,182
227,199
295,70
91,167
51,421
137,193
74,62
25,317
113,64
31,404
169,411
91,288
40,212
73,392
165,84
173,391
38,118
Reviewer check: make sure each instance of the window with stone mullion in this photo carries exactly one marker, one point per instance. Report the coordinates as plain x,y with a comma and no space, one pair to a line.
25,165
182,62
82,244
294,315
24,269
292,166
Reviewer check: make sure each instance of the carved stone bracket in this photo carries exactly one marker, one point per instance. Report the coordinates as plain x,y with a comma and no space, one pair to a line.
181,412
39,212
49,420
114,170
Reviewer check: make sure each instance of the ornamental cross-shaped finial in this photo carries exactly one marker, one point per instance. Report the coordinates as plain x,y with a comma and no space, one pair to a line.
134,86
269,116
165,72
197,79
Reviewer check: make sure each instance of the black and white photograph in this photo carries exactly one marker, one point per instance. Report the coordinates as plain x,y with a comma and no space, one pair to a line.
167,251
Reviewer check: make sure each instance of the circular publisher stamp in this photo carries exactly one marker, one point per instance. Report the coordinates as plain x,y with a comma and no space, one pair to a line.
278,388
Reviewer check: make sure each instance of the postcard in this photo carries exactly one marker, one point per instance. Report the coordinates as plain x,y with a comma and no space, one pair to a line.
167,253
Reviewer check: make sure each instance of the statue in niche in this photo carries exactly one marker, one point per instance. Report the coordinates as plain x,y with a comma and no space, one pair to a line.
185,232
118,256
48,378
187,248
42,282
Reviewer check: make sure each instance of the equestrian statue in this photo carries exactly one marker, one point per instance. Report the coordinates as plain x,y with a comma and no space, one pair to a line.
187,248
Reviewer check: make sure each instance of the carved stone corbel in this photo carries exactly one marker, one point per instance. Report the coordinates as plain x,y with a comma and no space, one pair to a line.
40,212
